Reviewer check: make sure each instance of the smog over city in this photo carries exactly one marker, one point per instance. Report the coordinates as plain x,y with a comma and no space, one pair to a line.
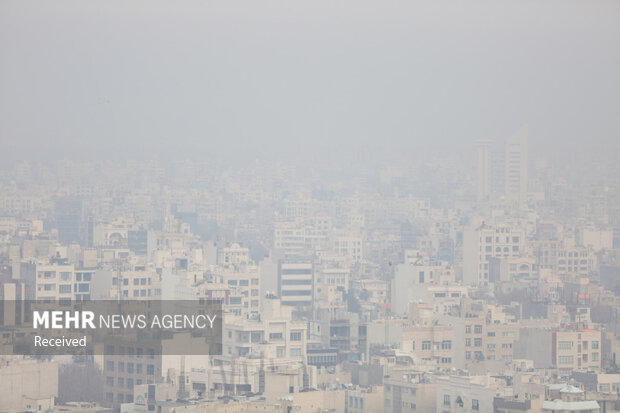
309,206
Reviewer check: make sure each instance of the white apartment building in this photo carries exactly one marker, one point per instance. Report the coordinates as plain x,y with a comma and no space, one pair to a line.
481,243
62,282
468,393
271,334
233,255
296,283
244,283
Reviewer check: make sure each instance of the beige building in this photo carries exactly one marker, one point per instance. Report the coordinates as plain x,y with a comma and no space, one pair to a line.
576,350
484,242
431,344
367,400
27,385
468,393
233,255
270,334
409,392
59,281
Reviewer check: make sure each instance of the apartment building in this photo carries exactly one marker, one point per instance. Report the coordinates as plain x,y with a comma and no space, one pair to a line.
409,392
414,277
348,245
489,334
296,283
142,284
481,243
576,350
61,281
365,400
27,385
431,344
564,258
233,255
244,283
270,334
468,393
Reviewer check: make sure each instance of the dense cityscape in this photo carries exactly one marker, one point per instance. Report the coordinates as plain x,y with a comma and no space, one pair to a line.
487,281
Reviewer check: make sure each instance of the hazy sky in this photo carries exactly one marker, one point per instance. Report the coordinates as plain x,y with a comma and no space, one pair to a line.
198,79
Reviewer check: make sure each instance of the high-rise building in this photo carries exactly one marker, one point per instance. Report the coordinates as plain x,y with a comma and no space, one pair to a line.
484,171
296,283
516,166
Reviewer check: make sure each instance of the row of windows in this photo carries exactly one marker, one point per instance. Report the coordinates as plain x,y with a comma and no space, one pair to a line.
129,368
428,345
120,398
475,404
243,283
477,329
570,359
122,383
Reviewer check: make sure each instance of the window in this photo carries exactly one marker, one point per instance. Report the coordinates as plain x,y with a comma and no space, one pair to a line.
150,370
595,345
594,356
478,329
565,345
446,400
446,345
426,345
468,342
477,342
467,329
280,352
565,360
296,336
275,336
474,404
295,352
